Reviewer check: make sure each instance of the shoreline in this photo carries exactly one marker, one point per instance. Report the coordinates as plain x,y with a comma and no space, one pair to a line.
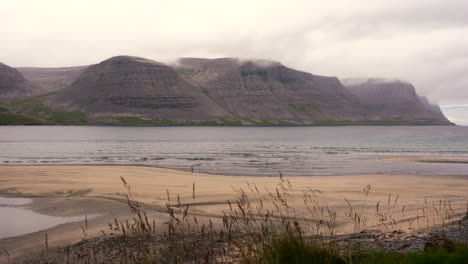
185,176
410,159
69,190
342,123
428,160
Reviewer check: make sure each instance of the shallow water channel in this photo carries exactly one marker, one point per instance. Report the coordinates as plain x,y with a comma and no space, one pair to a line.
16,220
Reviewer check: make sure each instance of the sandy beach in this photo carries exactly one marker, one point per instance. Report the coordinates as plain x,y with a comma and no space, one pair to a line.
77,190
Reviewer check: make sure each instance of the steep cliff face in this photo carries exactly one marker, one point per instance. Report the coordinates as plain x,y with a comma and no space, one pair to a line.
13,84
126,85
51,79
435,109
267,90
392,99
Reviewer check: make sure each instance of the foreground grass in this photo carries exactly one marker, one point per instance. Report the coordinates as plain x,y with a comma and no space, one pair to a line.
431,256
292,248
258,227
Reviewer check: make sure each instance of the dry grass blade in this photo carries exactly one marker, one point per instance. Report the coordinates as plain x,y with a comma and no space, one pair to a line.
248,226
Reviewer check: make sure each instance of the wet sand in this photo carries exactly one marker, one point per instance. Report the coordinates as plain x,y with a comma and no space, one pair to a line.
428,160
77,190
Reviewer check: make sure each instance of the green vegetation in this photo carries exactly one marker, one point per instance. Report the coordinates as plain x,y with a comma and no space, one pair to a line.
3,109
334,123
34,111
269,123
285,123
262,74
43,95
387,122
88,100
68,117
137,121
6,119
187,73
431,256
292,248
225,122
133,121
298,108
436,256
304,108
261,122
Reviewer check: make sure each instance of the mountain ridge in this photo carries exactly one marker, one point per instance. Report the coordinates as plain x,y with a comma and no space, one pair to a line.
390,98
134,90
269,90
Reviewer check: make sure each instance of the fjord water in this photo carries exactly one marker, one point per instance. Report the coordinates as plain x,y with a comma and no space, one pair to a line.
242,150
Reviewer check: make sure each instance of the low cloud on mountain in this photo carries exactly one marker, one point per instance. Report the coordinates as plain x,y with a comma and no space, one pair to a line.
422,41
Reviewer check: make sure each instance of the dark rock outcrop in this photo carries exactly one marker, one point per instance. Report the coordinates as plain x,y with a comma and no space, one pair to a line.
393,99
13,84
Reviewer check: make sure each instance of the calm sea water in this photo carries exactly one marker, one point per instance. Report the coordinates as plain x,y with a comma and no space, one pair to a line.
241,150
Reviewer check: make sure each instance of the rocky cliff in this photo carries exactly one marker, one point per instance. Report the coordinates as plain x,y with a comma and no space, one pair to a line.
248,91
13,84
267,90
393,99
125,85
434,108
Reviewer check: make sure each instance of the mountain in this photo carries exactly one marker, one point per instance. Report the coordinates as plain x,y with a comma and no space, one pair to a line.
393,99
51,79
126,90
267,90
435,109
13,84
133,86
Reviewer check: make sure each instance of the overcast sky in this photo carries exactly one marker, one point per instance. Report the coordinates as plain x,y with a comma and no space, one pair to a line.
422,41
